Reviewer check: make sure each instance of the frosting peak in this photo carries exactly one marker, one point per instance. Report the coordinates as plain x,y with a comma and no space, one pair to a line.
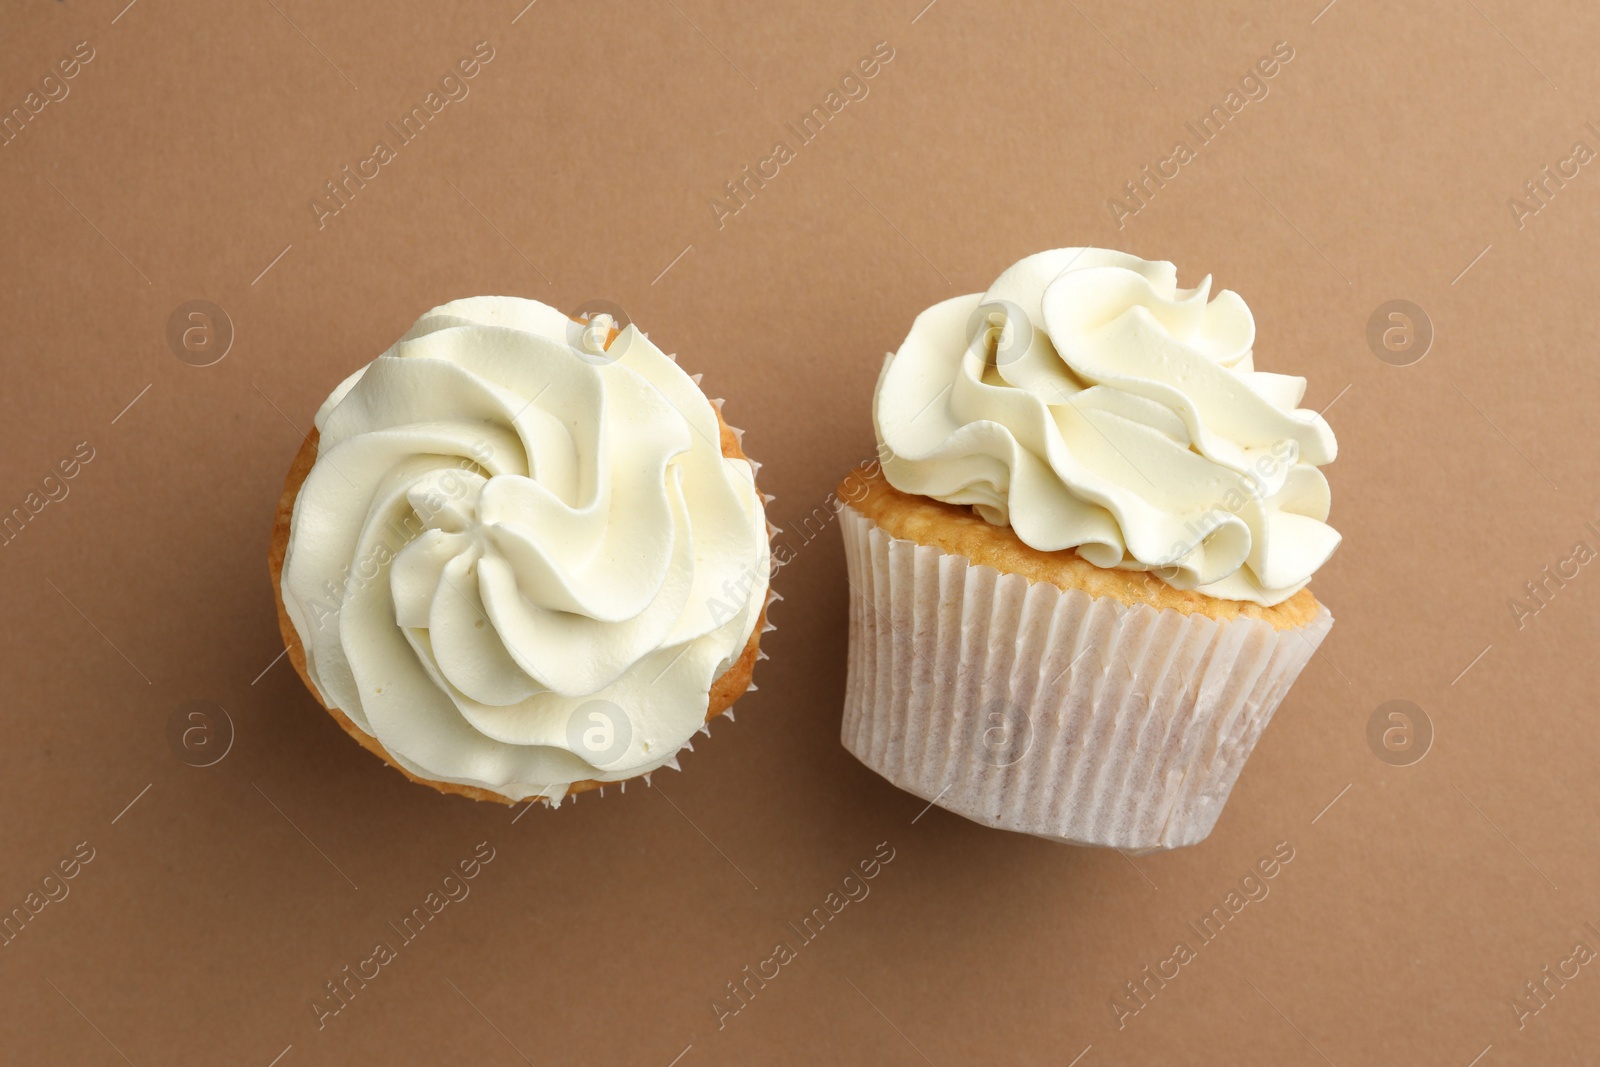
521,558
1089,403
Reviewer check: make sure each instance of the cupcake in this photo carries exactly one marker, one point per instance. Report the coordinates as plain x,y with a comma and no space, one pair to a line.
1079,562
522,556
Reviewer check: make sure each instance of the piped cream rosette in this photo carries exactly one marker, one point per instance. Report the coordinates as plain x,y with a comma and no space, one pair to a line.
1089,403
524,559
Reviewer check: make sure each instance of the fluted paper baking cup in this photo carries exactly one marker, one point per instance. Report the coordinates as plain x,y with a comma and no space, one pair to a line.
1027,707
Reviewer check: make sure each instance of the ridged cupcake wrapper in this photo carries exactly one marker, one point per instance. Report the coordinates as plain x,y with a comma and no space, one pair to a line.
1026,707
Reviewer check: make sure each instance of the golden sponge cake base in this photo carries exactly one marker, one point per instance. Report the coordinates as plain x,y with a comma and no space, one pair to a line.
960,531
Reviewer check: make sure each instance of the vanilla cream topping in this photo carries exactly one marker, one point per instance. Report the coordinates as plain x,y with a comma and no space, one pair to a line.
1089,403
521,558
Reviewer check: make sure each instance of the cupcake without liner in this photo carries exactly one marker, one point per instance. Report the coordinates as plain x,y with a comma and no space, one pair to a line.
522,556
1079,569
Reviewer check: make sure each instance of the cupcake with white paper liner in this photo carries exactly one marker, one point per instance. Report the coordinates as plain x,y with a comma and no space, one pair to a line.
522,556
1079,566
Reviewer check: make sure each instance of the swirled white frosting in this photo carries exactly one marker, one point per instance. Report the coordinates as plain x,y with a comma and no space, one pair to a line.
521,558
1089,403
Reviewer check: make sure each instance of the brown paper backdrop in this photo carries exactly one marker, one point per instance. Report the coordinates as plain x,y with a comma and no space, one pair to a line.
180,165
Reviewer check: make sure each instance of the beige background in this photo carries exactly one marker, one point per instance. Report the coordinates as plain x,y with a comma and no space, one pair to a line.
582,166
